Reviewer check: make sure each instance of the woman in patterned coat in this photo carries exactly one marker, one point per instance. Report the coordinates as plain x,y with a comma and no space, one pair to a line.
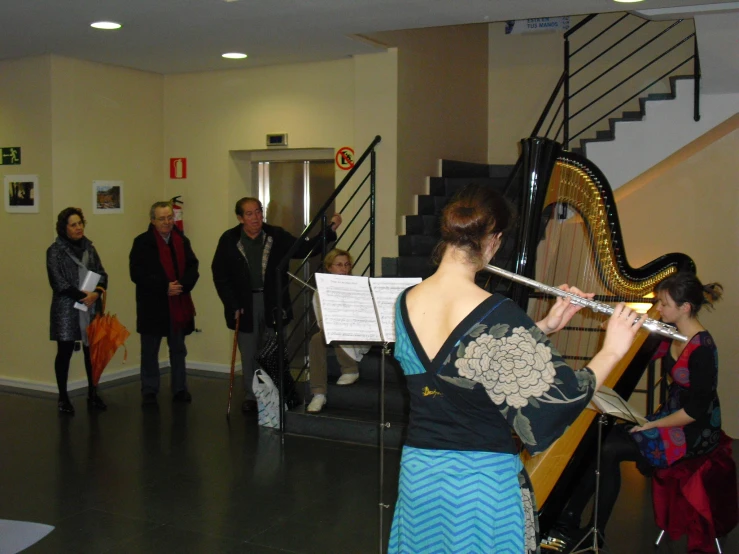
477,367
68,260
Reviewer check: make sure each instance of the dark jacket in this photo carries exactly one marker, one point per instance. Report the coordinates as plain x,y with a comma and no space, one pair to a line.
233,280
152,284
64,280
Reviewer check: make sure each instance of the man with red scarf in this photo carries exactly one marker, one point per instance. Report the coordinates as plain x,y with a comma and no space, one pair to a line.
165,270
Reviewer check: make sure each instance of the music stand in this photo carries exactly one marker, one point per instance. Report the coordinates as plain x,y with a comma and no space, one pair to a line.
594,531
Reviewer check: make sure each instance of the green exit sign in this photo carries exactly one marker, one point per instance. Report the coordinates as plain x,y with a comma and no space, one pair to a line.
11,156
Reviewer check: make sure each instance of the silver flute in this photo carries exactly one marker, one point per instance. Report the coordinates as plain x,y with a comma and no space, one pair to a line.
652,325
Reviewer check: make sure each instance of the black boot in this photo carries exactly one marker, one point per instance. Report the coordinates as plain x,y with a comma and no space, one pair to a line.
65,406
94,402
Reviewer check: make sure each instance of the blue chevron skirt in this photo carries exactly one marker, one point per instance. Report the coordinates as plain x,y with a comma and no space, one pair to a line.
452,501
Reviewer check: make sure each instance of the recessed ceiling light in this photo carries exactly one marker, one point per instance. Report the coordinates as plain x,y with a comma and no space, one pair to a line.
107,25
234,55
628,1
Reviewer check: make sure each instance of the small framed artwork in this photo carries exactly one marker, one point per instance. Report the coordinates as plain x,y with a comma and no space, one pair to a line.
107,197
21,194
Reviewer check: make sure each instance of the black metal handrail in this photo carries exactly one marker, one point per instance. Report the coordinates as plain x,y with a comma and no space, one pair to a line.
560,113
321,218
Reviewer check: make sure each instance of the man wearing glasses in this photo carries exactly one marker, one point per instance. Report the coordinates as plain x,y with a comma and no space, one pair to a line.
165,270
245,275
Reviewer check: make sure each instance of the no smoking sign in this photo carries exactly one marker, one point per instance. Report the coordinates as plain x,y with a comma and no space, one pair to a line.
345,158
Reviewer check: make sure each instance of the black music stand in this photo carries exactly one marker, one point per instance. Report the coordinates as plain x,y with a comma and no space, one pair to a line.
594,531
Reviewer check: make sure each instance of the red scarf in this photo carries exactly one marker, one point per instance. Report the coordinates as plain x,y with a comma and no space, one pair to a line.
181,308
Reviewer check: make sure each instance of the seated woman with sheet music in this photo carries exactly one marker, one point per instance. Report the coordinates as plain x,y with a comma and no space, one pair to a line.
687,425
477,367
338,262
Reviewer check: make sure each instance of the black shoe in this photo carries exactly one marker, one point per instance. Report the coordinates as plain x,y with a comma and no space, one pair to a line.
182,396
149,399
95,403
65,406
249,406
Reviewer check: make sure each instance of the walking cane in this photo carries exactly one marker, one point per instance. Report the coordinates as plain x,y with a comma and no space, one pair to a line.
233,365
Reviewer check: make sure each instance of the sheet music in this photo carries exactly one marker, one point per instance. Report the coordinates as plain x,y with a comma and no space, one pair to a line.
385,291
609,402
347,308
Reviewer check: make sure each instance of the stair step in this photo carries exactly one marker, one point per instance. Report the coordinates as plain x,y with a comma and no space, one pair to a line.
421,225
452,168
448,186
431,205
365,395
463,169
415,266
369,367
359,427
416,245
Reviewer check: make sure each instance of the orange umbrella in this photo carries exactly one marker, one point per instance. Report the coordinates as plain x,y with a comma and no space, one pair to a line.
105,335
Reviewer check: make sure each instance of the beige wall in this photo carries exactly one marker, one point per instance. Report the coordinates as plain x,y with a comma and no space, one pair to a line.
25,121
107,125
523,70
76,122
690,203
442,103
208,115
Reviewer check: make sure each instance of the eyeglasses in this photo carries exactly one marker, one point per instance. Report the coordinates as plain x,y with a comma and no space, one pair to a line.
348,265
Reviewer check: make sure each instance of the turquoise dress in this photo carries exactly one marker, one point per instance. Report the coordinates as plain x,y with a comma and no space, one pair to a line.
462,485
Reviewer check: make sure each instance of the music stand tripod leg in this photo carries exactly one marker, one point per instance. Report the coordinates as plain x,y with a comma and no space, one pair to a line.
594,532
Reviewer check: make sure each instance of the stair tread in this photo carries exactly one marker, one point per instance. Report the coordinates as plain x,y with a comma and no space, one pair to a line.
331,412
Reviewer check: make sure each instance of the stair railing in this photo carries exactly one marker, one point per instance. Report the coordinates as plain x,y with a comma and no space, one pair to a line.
356,192
575,108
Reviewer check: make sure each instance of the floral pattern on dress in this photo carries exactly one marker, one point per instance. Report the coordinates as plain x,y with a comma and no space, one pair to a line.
522,367
518,369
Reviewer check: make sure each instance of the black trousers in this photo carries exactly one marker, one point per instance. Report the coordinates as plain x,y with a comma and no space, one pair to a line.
618,446
64,352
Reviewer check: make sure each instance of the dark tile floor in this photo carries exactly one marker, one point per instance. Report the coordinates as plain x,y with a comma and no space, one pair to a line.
183,479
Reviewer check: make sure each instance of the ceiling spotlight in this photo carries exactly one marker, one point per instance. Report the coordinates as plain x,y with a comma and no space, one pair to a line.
107,25
234,55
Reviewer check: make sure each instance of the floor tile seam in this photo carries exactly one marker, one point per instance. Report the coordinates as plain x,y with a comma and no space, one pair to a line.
153,522
131,539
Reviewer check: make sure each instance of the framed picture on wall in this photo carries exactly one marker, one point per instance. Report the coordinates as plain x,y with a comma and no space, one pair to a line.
21,194
107,197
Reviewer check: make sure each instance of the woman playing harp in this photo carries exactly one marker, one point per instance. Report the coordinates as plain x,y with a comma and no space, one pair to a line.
477,366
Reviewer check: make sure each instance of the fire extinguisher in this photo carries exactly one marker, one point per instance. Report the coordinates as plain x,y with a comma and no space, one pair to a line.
177,209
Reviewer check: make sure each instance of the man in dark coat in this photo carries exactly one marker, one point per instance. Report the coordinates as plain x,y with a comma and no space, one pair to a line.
165,270
245,275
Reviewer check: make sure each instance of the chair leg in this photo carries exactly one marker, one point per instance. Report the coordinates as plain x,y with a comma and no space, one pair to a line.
661,534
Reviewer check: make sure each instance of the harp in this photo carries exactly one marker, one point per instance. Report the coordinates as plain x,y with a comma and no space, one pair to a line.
568,232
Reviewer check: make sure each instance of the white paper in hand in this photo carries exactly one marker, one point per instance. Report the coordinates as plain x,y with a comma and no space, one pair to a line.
89,283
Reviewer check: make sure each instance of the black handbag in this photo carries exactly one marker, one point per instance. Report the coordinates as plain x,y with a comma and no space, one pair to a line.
268,359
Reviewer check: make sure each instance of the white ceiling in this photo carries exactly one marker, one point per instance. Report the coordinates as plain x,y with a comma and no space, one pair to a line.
174,36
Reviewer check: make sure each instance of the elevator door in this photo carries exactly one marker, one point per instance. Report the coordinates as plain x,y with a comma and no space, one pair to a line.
292,192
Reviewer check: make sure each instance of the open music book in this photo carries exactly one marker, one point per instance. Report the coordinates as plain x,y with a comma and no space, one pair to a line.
608,401
359,309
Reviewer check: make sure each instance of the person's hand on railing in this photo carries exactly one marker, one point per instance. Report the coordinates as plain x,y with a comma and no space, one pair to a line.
335,221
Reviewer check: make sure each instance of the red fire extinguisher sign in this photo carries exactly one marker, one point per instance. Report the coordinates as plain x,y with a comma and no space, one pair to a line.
178,168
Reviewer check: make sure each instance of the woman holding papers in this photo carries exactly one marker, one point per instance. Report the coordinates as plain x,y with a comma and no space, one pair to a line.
687,425
72,263
338,262
477,367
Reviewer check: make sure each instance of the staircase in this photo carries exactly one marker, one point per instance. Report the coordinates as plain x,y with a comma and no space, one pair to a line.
352,413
